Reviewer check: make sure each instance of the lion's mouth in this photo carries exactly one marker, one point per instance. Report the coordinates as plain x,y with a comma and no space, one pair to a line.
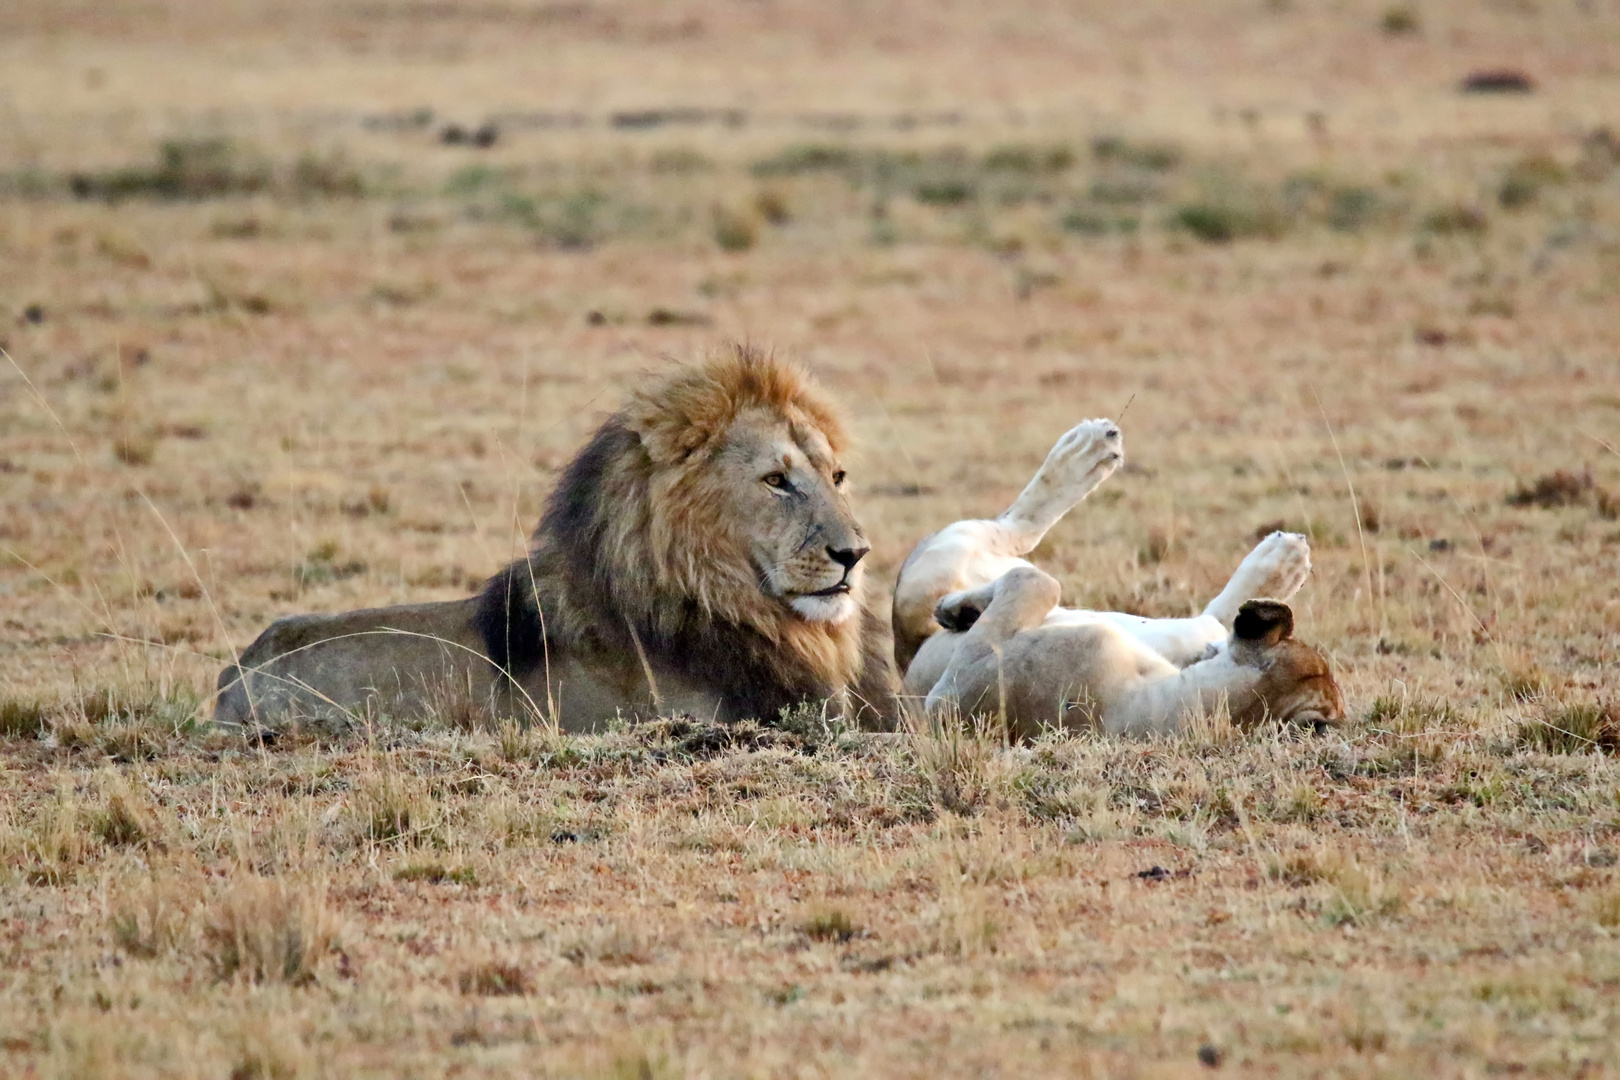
832,590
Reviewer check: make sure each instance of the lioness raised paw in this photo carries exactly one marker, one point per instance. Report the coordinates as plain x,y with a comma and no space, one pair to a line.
1085,456
1275,569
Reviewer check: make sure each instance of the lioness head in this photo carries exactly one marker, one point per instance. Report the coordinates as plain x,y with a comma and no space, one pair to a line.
748,491
1296,682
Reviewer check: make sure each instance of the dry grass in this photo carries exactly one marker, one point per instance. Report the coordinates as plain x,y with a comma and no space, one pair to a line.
280,340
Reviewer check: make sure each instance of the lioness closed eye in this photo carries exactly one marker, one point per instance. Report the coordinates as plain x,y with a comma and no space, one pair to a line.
699,555
979,630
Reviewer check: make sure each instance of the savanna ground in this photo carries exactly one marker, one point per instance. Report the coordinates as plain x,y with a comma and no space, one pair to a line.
284,336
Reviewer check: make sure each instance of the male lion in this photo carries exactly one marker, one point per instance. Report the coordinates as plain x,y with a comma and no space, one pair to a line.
979,630
698,556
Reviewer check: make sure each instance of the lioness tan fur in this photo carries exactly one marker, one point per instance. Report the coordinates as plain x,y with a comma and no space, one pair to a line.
981,630
699,555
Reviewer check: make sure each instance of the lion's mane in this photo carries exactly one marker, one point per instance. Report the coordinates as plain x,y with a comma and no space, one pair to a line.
628,559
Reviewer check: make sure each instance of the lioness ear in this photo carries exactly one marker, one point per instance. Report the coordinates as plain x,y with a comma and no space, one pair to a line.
1264,622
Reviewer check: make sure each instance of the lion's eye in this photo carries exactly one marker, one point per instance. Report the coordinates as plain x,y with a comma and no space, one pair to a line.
776,480
838,478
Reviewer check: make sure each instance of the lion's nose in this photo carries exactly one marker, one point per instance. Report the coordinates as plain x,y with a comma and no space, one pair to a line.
847,557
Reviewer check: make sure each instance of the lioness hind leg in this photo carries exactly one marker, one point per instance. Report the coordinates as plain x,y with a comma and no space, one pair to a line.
1275,569
1019,600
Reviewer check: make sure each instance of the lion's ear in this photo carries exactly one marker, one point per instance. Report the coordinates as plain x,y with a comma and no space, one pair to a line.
669,435
1263,622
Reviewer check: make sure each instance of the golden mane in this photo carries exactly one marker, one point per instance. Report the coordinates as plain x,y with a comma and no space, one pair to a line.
693,407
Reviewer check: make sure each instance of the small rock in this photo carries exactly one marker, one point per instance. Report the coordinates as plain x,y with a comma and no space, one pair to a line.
1210,1055
1498,81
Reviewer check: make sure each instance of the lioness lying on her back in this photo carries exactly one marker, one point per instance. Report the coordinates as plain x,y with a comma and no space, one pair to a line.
979,630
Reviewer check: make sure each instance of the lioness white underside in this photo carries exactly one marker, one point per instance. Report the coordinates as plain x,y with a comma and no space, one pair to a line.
1132,675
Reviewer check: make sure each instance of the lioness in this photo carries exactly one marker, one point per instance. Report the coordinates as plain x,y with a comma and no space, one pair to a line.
979,629
699,555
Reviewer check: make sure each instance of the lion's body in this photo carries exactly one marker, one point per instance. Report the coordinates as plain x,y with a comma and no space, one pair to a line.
698,555
995,640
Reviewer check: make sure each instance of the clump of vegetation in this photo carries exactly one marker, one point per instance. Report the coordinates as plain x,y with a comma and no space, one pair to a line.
733,230
1085,221
808,158
384,811
1151,156
1580,728
437,874
1029,159
193,169
1606,908
186,168
1524,681
680,161
123,822
494,978
135,449
327,176
268,930
1296,869
614,945
125,724
571,221
831,924
1557,488
1352,208
1406,715
1525,181
1399,20
321,566
1223,222
961,759
152,917
21,718
943,191
771,204
1458,219
1357,894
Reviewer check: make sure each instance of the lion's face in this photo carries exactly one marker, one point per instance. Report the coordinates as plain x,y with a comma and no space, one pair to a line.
1296,684
786,500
